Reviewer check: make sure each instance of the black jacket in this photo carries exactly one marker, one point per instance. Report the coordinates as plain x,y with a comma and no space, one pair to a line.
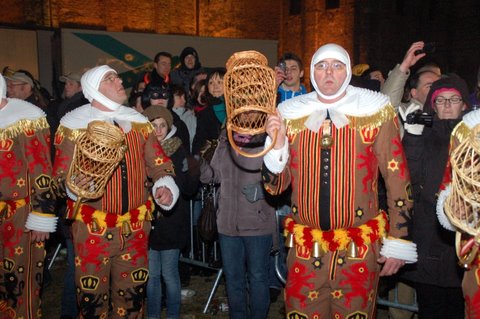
427,156
170,229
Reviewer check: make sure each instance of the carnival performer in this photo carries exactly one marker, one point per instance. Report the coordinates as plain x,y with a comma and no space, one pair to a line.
26,210
110,234
331,145
471,278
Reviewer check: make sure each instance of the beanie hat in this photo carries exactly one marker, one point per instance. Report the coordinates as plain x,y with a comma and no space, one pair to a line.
3,87
91,82
157,111
187,51
452,81
331,51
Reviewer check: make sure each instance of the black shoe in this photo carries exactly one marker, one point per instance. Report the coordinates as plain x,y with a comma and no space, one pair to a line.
274,293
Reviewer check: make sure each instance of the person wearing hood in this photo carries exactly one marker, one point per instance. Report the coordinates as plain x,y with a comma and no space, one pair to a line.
27,213
170,229
331,145
189,66
436,276
110,234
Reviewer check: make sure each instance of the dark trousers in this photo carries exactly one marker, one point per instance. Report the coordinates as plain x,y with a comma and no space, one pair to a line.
439,302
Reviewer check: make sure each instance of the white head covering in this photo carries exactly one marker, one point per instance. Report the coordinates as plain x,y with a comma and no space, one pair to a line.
3,87
331,51
91,82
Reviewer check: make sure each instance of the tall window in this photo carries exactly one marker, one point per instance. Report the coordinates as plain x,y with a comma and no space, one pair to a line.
295,7
332,4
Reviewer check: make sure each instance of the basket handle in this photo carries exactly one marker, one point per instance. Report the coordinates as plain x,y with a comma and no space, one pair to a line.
250,155
468,252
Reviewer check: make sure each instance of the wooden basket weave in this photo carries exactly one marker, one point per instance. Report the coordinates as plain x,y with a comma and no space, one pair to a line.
98,151
462,206
250,95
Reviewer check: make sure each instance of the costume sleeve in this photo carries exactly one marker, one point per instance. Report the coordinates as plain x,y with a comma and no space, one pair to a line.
36,142
394,86
64,150
160,169
393,167
276,172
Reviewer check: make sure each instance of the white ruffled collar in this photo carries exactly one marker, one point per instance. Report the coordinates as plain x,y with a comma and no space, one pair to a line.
472,118
16,110
123,116
356,102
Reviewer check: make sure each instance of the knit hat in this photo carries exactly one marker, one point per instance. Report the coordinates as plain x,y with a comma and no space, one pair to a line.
91,82
452,81
21,77
331,51
157,111
3,87
187,51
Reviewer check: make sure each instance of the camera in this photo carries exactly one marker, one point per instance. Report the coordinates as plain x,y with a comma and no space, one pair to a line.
419,117
428,48
283,66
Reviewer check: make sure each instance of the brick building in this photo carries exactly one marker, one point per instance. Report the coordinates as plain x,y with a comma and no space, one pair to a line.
373,31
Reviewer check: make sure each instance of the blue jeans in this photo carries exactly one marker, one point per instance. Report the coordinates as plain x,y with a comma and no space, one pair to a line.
163,264
246,265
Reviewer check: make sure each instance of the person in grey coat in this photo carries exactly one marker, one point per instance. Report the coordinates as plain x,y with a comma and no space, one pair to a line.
245,222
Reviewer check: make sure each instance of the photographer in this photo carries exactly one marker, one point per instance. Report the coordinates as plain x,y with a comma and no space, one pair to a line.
418,85
436,276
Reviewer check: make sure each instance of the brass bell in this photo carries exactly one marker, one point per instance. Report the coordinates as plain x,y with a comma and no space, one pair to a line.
290,241
94,227
326,141
464,265
317,250
148,216
126,229
352,250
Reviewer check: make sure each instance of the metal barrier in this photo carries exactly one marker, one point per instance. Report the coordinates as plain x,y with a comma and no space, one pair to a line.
203,262
395,303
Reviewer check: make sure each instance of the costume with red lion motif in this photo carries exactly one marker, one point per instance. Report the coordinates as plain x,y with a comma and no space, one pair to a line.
25,205
335,197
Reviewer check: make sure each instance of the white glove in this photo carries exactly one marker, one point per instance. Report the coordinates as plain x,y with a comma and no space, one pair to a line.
415,129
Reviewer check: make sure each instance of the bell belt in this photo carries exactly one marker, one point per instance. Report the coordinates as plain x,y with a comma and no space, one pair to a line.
337,239
87,214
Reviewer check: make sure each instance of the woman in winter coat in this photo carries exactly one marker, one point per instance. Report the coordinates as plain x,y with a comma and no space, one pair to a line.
170,229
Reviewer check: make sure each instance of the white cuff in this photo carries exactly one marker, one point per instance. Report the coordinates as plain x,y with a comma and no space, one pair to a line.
70,194
399,249
41,223
442,217
276,160
168,182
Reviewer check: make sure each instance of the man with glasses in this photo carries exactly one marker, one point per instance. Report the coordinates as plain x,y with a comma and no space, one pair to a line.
110,234
331,145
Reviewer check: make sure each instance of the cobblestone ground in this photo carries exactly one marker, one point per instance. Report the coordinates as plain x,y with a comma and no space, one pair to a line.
192,308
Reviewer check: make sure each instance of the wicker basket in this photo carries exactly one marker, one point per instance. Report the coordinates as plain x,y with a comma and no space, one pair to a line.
462,206
250,95
98,151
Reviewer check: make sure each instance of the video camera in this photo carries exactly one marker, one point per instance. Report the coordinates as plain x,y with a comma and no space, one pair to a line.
419,117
